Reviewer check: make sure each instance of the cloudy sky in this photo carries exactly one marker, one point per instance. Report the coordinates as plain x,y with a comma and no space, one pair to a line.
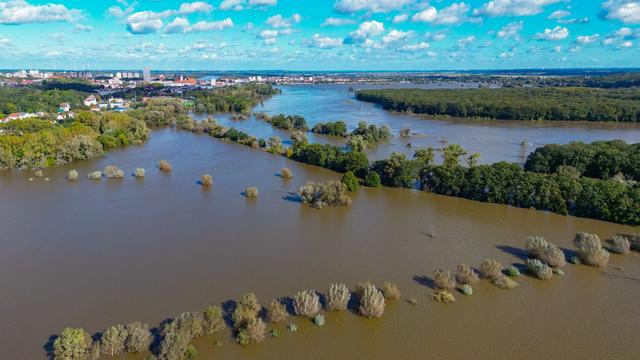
319,34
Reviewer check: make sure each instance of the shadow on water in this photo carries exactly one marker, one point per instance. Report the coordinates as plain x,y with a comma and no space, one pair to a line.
424,281
293,197
517,252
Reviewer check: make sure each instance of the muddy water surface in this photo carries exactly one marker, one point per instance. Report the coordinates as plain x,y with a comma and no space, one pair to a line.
92,254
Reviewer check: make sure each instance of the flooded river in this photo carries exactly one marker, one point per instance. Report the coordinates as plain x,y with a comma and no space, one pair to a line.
95,253
495,140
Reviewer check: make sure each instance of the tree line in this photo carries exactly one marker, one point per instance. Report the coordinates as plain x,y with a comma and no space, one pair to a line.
560,103
600,159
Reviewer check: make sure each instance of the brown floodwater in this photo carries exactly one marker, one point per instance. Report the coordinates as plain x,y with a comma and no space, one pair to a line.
95,253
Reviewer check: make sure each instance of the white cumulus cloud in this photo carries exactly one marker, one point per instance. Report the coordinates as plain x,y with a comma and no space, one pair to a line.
17,12
557,33
351,6
513,7
627,11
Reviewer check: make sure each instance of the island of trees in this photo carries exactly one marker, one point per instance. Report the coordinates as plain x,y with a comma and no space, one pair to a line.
552,103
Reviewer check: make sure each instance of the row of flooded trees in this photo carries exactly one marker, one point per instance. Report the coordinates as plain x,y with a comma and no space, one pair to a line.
247,318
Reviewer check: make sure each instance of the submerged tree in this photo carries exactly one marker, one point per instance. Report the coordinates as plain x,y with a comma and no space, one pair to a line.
72,344
113,340
306,303
338,297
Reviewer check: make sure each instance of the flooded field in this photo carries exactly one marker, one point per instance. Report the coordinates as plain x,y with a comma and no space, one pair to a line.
495,140
96,253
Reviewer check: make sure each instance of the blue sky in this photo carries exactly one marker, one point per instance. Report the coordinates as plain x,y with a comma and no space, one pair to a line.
319,34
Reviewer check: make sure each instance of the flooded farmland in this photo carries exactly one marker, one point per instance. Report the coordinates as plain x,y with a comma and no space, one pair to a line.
96,253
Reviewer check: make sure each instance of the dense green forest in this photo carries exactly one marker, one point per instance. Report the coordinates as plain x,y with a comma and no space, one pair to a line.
239,99
31,99
564,192
600,159
570,104
337,128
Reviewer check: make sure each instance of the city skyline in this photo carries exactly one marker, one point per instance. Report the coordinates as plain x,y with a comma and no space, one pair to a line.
323,35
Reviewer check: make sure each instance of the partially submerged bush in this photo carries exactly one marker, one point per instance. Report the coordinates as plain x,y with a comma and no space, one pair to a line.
443,279
276,312
503,282
95,175
72,344
443,296
306,303
286,173
256,330
212,320
512,271
72,175
139,173
535,245
206,180
38,173
112,172
391,291
113,340
634,241
553,256
539,248
405,132
490,269
371,300
338,297
319,320
333,193
251,192
466,289
466,274
590,251
350,181
165,166
541,270
619,245
139,337
247,309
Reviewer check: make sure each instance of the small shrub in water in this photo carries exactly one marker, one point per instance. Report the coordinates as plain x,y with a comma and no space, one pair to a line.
535,245
634,241
72,344
338,297
490,269
619,245
466,274
38,173
165,166
558,272
391,291
443,296
243,337
251,192
292,328
372,180
274,333
113,340
405,132
206,180
139,173
306,303
503,282
575,260
553,256
541,270
512,271
112,172
350,181
212,320
139,337
466,289
443,279
72,175
590,251
286,173
413,301
247,309
276,312
371,300
333,193
319,320
95,175
256,330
